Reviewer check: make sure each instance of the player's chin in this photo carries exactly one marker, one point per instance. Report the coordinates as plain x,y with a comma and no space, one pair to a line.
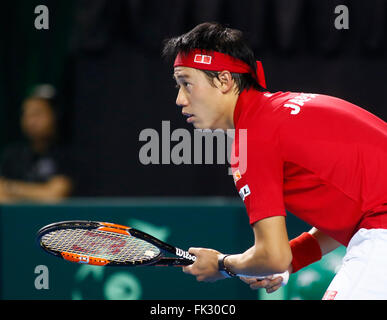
198,124
203,125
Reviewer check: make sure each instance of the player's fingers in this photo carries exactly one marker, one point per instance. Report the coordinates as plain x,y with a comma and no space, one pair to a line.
266,283
248,280
187,269
276,282
274,288
194,251
258,284
274,285
255,282
200,278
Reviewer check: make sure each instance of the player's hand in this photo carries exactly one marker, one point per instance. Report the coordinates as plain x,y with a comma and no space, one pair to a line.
205,268
270,284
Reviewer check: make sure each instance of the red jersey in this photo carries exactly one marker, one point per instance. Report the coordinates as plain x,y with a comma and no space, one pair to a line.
321,158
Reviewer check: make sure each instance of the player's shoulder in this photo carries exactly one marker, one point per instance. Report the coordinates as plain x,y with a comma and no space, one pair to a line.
269,111
291,102
284,112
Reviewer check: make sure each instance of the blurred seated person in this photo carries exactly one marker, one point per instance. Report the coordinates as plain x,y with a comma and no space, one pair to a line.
35,170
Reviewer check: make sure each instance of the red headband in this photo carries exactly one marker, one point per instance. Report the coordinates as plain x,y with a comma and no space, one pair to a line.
216,61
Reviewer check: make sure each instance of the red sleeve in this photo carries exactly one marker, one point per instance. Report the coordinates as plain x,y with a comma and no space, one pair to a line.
261,182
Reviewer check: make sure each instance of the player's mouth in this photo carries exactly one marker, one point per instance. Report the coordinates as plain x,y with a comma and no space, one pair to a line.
189,116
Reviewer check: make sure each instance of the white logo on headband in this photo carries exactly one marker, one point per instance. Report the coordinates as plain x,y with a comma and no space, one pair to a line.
201,58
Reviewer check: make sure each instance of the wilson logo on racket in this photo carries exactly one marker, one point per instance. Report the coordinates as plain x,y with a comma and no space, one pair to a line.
185,254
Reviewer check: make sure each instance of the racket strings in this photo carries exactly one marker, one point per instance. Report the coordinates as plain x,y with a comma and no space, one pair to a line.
100,244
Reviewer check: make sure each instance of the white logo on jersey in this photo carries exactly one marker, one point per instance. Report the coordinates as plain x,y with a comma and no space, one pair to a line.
298,102
296,109
244,192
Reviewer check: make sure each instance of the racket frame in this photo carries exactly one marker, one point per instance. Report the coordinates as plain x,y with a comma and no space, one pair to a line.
184,258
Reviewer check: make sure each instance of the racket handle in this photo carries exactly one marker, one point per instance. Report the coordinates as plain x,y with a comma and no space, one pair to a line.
172,262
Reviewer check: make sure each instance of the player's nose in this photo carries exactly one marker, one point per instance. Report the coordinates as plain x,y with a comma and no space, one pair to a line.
181,99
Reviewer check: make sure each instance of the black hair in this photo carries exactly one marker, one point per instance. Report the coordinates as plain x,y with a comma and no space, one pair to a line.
212,36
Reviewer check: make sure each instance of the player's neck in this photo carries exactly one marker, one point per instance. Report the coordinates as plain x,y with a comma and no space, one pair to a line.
232,101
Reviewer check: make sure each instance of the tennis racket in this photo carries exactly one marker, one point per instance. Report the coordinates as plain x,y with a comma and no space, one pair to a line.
108,244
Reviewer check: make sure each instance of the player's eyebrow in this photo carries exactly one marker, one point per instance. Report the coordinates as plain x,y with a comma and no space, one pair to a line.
180,77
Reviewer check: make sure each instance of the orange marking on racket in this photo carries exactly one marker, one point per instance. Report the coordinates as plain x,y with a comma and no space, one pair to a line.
109,229
114,225
74,257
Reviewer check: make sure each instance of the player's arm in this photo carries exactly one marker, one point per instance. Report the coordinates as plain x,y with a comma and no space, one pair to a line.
270,254
55,189
271,251
307,248
326,243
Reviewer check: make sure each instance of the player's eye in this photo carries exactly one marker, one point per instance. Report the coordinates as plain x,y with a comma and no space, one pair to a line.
183,84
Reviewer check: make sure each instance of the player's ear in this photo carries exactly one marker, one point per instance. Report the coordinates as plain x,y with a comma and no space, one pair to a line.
224,81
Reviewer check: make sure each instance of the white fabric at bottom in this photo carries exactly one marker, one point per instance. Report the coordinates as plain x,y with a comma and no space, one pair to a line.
363,274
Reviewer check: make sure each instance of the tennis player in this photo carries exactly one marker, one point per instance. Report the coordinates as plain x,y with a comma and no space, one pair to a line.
321,158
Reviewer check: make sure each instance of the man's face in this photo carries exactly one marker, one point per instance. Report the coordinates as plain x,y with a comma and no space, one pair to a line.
201,102
37,119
